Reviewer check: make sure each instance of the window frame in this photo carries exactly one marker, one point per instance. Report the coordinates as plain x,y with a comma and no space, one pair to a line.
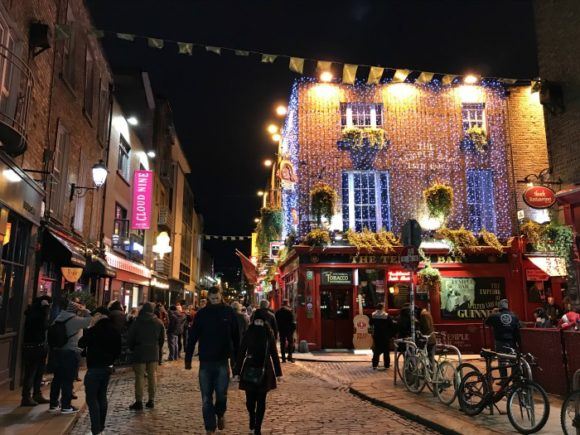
380,220
89,92
69,49
124,155
472,110
60,182
349,112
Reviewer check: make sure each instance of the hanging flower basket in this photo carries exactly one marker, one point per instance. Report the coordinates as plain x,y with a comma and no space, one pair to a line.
317,238
363,145
323,201
439,200
475,139
429,278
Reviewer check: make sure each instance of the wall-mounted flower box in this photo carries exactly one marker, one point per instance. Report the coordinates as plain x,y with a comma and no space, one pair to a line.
475,139
363,144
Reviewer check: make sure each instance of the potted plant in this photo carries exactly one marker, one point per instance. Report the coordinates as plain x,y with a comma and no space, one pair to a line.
475,138
439,200
318,237
323,202
429,277
363,144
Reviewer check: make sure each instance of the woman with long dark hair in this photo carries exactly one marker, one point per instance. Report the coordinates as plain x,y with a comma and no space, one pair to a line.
258,366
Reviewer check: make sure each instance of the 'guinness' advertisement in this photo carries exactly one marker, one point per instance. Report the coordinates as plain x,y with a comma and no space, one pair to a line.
334,277
470,298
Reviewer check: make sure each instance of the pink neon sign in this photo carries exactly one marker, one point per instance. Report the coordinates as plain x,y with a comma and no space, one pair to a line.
142,200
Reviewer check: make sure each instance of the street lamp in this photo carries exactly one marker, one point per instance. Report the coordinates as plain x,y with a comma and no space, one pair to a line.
256,220
326,77
272,128
99,172
276,137
268,163
470,79
260,193
281,110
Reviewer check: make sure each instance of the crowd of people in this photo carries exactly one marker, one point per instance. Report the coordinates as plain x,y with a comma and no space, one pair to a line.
234,342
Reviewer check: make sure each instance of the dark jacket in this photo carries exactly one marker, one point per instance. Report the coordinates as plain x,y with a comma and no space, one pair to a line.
216,329
426,326
404,322
102,342
383,329
285,321
180,322
36,323
553,312
172,323
259,347
146,336
505,325
270,318
243,324
162,315
118,317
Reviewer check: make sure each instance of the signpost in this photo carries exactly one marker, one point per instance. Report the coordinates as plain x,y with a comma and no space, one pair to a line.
410,260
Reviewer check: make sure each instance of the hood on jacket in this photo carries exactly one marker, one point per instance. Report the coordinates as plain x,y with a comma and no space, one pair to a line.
115,306
147,308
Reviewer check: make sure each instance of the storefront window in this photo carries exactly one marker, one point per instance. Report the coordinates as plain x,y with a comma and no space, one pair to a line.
371,287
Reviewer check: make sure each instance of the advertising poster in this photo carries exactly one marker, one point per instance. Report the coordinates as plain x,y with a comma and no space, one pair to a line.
470,298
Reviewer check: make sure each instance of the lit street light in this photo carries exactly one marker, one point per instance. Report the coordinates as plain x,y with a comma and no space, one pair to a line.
267,163
260,193
276,137
256,220
281,110
272,128
326,76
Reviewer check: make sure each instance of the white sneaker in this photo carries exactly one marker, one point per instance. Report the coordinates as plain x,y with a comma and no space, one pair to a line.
71,410
54,409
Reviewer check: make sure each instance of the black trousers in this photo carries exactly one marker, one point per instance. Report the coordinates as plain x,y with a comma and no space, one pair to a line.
256,405
287,345
34,359
377,352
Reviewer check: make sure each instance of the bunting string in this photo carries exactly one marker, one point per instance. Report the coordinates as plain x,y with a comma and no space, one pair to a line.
296,64
226,238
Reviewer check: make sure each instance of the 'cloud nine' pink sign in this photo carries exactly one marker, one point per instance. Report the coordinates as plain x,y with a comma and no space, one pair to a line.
142,200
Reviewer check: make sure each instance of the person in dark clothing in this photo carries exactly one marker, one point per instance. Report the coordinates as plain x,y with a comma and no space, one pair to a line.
102,343
35,350
383,330
268,316
172,333
216,329
118,317
243,321
161,314
506,331
258,350
180,328
552,310
427,328
286,326
542,319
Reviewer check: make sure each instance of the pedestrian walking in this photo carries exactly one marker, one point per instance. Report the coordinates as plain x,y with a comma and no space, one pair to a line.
216,329
180,328
268,315
118,317
172,333
102,344
35,350
145,337
162,315
63,338
258,366
243,321
383,330
286,323
506,331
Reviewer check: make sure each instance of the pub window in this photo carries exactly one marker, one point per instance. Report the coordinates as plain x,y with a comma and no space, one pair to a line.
365,200
120,227
123,163
480,200
361,115
473,115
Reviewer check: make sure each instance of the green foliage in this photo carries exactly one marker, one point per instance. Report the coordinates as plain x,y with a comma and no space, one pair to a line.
375,136
382,241
86,298
271,222
460,239
560,239
489,239
478,138
535,234
429,276
318,237
439,200
323,201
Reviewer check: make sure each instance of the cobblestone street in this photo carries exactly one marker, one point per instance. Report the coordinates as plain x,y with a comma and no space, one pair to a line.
303,404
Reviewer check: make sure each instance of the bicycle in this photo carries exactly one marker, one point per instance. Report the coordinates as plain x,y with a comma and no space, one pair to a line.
527,405
570,413
436,372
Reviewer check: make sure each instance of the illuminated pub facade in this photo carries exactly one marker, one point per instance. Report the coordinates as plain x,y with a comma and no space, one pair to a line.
379,183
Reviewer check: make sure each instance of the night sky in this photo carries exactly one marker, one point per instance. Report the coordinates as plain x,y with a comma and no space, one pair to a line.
222,104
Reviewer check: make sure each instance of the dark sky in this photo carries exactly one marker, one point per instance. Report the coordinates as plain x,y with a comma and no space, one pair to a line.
222,103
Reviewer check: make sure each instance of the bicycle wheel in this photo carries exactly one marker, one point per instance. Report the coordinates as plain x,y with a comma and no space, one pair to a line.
399,364
528,408
446,382
414,374
465,368
570,414
472,392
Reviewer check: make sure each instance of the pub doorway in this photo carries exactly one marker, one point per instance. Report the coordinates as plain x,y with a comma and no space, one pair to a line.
336,314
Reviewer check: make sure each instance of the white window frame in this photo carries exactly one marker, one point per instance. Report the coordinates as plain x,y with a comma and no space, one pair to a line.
473,114
378,201
60,172
84,171
124,159
356,116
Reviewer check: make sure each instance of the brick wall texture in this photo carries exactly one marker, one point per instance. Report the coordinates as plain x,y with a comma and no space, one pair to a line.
558,39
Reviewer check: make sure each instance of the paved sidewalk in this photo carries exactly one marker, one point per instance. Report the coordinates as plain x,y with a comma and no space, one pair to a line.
350,356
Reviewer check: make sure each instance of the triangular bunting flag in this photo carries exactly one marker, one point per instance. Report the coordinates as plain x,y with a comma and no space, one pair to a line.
425,77
447,79
126,36
375,75
63,31
224,238
400,76
349,74
155,43
324,65
207,237
242,52
216,50
268,58
185,48
296,64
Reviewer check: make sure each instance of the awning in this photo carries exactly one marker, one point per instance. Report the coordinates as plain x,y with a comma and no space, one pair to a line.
98,266
552,266
62,251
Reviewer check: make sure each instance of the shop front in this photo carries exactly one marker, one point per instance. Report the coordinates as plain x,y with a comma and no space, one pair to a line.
159,289
131,283
98,277
326,286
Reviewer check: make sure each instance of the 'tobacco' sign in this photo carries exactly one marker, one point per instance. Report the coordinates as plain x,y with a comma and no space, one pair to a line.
539,197
142,192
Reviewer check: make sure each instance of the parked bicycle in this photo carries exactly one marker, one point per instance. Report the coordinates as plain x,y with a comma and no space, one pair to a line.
570,413
527,404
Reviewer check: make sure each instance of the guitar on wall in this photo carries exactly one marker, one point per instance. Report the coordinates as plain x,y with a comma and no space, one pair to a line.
361,338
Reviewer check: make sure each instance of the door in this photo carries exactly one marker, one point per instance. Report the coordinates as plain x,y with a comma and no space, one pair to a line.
336,313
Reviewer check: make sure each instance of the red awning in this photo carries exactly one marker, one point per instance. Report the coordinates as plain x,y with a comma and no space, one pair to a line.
551,266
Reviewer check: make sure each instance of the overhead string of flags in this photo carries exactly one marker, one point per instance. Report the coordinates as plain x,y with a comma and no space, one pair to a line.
226,238
371,74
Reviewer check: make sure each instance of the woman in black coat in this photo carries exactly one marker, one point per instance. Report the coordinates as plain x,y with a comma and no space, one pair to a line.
258,349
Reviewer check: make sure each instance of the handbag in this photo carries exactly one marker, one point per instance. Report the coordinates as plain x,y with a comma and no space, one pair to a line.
255,374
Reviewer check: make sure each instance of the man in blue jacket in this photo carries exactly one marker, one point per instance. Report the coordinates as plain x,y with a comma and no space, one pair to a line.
216,328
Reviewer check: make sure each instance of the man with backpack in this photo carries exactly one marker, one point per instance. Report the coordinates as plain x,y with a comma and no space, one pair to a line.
63,339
